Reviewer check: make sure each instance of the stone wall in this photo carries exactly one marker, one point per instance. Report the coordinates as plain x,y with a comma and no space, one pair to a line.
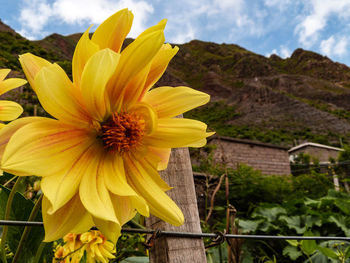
321,154
269,159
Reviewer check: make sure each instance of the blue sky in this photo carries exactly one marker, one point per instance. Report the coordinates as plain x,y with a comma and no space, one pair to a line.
262,26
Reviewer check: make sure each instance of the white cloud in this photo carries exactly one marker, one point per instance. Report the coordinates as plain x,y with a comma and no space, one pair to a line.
34,18
333,47
283,52
319,14
281,5
234,18
35,15
274,51
184,35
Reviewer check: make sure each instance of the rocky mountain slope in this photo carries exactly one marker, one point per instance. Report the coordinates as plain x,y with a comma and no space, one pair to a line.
281,101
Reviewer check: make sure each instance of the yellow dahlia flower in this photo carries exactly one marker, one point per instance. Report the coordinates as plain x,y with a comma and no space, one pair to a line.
99,158
9,110
93,243
97,247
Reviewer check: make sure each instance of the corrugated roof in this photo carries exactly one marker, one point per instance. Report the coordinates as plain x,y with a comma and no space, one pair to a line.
315,145
225,138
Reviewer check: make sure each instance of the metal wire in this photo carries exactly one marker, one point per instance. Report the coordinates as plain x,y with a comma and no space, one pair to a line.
189,234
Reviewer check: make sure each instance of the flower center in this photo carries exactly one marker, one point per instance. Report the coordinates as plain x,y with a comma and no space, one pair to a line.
123,132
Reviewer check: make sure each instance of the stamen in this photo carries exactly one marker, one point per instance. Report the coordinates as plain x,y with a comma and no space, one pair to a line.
123,132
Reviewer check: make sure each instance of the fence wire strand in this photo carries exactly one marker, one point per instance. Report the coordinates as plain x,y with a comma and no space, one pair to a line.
189,234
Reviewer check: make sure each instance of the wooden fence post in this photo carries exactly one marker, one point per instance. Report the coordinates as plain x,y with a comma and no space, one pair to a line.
174,249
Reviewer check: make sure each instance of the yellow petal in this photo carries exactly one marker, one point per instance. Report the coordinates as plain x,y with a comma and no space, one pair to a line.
112,32
112,170
172,101
201,142
160,204
73,217
44,147
3,73
31,65
133,60
9,84
123,208
160,156
55,92
96,74
8,130
94,193
151,169
176,132
148,114
59,188
112,230
133,90
114,175
158,66
83,51
9,110
160,26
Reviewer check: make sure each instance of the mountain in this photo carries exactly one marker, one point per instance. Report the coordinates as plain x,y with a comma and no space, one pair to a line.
276,100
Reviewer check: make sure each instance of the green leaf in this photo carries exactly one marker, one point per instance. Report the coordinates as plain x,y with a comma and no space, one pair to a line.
343,205
292,252
311,220
249,225
135,260
270,213
20,211
340,221
311,202
294,243
327,252
347,252
293,222
308,246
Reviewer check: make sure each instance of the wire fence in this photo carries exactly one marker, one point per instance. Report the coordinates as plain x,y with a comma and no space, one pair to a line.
217,235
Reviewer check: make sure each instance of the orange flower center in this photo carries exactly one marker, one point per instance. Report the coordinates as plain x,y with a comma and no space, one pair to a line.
123,132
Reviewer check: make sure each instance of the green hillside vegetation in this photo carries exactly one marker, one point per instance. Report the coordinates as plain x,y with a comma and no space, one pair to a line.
13,45
271,99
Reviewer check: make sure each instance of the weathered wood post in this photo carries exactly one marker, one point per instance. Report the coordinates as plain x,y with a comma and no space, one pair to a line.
174,249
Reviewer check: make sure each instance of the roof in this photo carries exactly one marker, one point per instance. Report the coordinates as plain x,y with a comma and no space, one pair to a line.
244,141
315,145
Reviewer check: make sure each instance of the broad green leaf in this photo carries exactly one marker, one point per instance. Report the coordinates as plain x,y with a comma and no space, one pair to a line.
340,221
249,225
214,253
311,202
270,213
294,243
343,205
310,221
327,252
267,226
293,222
292,252
308,246
20,211
347,252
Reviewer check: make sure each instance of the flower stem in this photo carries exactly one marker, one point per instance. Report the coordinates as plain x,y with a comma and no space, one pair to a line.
39,252
9,181
26,230
6,217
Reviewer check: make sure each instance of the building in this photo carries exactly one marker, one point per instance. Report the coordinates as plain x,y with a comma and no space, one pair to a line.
268,158
319,151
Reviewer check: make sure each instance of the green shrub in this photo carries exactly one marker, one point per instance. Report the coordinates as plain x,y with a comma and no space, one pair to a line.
249,188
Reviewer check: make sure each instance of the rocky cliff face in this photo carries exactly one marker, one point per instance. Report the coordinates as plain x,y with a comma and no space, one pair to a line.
304,97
